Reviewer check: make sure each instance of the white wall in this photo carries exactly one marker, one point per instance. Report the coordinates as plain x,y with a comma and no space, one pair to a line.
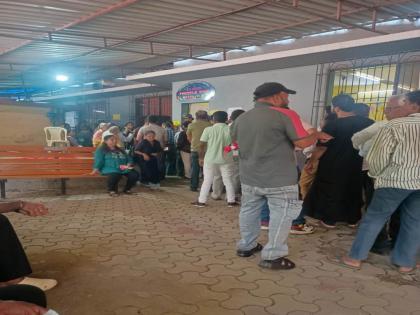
237,90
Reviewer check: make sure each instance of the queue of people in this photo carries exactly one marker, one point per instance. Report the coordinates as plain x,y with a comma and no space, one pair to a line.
348,156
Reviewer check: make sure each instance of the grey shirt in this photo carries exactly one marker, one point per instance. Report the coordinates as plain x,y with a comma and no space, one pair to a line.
265,137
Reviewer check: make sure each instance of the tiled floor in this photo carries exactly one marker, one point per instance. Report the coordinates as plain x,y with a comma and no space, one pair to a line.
153,253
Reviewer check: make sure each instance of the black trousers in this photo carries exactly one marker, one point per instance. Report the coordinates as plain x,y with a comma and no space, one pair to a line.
23,293
114,179
13,261
151,171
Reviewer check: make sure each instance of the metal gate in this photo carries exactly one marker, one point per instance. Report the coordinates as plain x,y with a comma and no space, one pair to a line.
371,81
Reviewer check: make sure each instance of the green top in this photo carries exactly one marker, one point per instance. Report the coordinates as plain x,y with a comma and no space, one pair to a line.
195,130
217,138
108,162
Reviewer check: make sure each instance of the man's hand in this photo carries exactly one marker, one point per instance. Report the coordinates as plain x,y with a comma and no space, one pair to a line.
323,137
94,172
201,162
20,308
33,209
146,157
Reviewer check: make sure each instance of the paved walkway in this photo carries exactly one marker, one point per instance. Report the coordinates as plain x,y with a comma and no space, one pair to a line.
154,253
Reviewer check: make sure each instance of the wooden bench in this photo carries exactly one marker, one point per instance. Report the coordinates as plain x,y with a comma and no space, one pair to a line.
38,162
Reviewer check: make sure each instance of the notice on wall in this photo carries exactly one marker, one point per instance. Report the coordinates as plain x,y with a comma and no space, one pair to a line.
116,117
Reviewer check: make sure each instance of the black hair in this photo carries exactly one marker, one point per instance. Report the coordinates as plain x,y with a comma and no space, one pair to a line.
236,113
127,123
153,119
201,114
361,109
220,116
149,132
413,97
344,102
185,124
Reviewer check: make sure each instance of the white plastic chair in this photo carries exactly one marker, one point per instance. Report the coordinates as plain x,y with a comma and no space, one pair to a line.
56,135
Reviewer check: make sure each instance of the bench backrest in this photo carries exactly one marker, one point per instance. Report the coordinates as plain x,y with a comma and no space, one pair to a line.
45,162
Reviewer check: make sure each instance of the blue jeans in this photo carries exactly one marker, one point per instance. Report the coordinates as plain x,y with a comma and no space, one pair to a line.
284,207
384,203
265,215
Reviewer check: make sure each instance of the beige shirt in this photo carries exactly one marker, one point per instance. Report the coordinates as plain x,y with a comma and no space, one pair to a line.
195,130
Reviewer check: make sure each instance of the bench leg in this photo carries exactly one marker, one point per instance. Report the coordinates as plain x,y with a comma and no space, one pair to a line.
3,188
63,186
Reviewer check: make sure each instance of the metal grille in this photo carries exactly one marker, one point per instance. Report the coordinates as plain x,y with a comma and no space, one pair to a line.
369,81
370,85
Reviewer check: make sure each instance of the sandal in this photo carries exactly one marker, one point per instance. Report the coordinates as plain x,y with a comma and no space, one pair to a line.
411,272
281,263
113,194
339,261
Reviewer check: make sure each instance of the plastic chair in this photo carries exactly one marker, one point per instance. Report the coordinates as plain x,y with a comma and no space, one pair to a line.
56,135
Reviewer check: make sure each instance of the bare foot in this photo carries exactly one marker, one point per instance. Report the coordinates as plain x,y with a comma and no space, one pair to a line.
351,262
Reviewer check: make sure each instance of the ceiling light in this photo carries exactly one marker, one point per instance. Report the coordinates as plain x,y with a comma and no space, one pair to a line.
61,77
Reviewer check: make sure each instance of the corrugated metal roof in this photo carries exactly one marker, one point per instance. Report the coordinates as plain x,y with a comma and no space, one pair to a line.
77,30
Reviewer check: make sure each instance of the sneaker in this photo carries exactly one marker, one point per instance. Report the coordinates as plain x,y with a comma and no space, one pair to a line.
233,204
301,229
248,253
265,225
155,186
198,204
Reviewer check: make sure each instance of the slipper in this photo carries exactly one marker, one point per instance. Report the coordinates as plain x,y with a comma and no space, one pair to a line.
43,284
411,272
338,260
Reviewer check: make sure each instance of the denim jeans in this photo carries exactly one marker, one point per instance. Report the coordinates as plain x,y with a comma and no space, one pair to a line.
195,171
265,215
384,203
284,207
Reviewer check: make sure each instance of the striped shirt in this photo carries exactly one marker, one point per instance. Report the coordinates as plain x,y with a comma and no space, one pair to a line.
394,159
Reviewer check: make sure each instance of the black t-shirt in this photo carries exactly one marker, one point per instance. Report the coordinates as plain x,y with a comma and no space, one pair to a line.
148,148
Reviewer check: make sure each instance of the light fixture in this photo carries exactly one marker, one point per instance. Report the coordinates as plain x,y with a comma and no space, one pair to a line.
61,77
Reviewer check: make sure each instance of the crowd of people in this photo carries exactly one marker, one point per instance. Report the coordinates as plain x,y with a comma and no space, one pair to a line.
355,171
254,157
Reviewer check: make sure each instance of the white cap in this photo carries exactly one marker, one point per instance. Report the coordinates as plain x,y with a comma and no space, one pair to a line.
106,134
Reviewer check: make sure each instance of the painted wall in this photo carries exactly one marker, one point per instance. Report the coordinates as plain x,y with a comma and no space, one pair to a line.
23,125
237,90
121,105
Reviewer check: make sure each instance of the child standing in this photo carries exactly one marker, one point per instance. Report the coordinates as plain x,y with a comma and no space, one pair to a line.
148,150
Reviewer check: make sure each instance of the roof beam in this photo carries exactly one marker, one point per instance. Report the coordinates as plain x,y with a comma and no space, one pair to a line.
361,8
182,26
266,30
105,47
337,19
116,6
88,35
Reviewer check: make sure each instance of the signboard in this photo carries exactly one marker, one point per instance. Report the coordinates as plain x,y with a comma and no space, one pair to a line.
196,92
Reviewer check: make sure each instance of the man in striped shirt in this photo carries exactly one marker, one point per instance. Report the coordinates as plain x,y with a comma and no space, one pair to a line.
394,162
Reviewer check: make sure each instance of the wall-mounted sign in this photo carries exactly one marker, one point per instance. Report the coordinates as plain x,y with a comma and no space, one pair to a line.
195,92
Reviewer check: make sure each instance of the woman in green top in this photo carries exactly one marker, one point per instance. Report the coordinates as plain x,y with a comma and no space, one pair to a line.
113,162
